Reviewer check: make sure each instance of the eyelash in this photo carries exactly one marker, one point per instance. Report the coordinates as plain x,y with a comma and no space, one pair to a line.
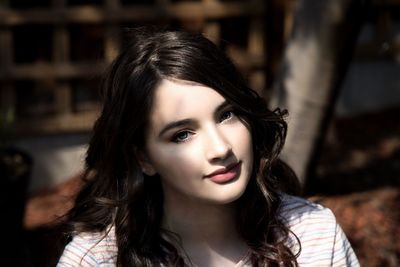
175,138
231,113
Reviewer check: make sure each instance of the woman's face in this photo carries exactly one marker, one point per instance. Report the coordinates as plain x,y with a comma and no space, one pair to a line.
199,147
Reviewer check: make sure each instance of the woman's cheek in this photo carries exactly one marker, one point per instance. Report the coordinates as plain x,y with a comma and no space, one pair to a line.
179,156
238,133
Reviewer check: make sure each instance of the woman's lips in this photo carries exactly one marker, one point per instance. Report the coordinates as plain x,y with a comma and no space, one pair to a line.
225,175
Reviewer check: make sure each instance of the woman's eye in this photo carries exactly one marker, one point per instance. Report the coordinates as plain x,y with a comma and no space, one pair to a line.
181,136
226,115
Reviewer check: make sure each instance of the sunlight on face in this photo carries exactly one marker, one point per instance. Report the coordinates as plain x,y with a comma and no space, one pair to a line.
199,147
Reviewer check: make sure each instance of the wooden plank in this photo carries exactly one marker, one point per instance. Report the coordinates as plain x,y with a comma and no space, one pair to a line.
37,71
6,51
244,61
212,30
256,42
61,44
112,42
64,123
93,14
63,98
62,90
213,10
288,20
257,81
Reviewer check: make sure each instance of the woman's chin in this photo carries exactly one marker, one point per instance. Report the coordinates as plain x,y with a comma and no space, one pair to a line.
227,194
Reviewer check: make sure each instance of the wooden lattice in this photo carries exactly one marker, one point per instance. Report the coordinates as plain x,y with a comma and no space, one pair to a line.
53,51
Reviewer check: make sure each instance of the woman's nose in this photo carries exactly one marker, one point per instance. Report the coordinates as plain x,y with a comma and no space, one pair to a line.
218,146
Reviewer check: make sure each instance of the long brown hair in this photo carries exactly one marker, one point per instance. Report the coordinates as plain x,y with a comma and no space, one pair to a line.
117,191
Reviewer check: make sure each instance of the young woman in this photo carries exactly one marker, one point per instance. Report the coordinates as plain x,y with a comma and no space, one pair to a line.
182,170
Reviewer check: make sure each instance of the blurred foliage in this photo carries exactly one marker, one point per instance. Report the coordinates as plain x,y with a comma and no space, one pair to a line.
12,162
7,127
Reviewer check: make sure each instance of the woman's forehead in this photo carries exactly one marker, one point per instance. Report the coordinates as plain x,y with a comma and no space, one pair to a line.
177,100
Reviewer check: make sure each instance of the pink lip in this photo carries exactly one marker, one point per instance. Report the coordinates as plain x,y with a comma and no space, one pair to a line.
224,175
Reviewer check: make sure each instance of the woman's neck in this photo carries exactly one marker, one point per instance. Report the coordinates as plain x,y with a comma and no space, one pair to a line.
208,232
200,221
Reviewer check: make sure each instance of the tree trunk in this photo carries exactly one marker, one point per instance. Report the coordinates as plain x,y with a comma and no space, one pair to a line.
315,61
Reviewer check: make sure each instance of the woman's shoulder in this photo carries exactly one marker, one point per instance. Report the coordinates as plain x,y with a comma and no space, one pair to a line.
307,219
296,210
90,249
321,238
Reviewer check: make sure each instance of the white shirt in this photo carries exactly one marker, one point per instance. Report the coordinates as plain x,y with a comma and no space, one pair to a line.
323,242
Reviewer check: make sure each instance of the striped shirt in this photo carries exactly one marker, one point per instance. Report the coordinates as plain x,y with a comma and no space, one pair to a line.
323,242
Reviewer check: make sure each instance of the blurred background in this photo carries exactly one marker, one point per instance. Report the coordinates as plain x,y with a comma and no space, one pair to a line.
334,64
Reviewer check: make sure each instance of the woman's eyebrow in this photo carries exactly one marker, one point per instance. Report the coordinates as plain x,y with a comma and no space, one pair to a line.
184,122
222,106
175,124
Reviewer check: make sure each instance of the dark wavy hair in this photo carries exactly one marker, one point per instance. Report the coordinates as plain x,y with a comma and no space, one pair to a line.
116,191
